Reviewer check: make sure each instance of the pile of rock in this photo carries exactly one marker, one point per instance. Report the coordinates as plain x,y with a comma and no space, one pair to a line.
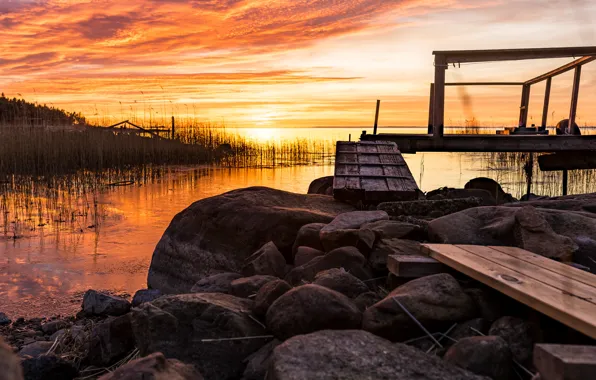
259,283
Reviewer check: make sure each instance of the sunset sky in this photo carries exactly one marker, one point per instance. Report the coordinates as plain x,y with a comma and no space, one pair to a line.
285,63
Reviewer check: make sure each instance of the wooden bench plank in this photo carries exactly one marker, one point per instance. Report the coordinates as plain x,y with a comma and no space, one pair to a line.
563,283
546,263
414,266
565,362
567,309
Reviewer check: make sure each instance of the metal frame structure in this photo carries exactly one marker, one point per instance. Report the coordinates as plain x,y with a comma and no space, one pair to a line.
444,58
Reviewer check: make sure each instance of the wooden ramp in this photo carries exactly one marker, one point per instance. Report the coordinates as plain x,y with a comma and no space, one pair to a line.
372,171
560,291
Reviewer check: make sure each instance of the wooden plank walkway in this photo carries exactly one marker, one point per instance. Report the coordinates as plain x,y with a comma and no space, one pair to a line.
560,291
372,171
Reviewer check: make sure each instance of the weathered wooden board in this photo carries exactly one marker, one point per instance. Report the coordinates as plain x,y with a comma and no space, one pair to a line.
567,161
372,171
409,266
560,291
565,362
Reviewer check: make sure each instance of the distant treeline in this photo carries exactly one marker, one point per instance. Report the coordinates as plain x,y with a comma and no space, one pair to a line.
20,112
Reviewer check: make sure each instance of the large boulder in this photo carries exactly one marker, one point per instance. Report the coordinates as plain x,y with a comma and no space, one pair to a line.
449,193
518,334
436,301
321,186
348,258
356,354
217,234
345,230
110,341
95,303
341,281
492,186
154,367
266,261
35,349
181,327
309,308
217,283
429,209
552,233
484,355
10,363
145,295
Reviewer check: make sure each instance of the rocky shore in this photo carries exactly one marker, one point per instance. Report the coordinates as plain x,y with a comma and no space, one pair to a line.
258,283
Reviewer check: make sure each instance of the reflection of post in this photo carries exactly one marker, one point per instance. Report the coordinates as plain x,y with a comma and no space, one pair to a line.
546,100
431,107
574,96
173,132
376,117
439,98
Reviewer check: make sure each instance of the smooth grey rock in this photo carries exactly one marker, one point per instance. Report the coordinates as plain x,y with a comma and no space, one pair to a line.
4,320
51,327
217,283
145,295
95,303
48,367
305,254
393,229
345,231
266,261
437,301
429,209
321,186
518,335
492,186
341,281
309,236
309,308
385,247
249,286
484,355
110,340
268,294
35,349
258,363
154,367
354,355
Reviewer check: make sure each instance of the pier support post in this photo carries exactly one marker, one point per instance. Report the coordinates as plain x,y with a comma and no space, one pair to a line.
565,179
431,107
376,117
439,96
173,131
523,108
574,97
546,101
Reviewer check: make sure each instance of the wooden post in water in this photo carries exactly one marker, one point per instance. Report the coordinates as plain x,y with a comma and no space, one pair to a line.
574,97
565,179
439,96
376,117
546,101
431,107
173,132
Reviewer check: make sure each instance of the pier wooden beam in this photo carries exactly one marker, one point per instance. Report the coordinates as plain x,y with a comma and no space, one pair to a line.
439,97
546,101
466,56
412,143
567,161
574,98
484,83
431,104
565,362
563,69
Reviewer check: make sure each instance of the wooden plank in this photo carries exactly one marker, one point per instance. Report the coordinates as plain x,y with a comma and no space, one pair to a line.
565,362
563,69
567,161
439,98
462,56
543,262
572,311
532,269
414,266
484,84
412,143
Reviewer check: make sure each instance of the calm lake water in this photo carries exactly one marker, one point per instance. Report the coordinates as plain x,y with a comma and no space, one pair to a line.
45,271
